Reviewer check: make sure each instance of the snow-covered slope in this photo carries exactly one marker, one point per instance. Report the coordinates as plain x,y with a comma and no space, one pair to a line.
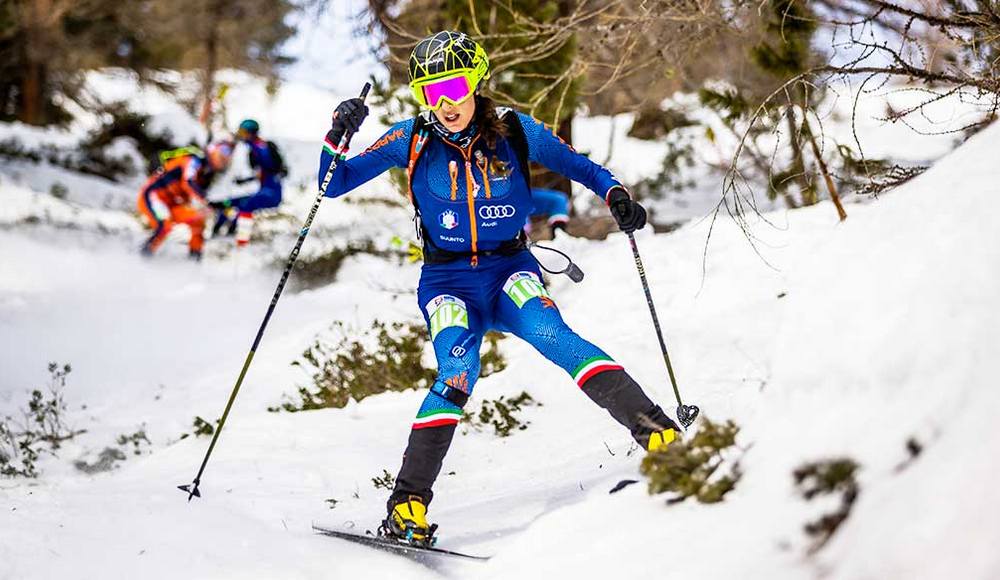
871,332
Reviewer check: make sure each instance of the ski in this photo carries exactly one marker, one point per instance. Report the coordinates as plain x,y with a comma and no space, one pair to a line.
396,546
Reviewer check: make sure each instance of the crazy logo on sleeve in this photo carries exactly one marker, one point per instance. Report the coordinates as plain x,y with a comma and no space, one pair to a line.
446,311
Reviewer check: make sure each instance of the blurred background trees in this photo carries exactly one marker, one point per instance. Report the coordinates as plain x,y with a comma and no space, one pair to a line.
762,66
760,69
555,58
46,45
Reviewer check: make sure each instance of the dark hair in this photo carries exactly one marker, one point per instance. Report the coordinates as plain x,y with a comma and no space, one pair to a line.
490,124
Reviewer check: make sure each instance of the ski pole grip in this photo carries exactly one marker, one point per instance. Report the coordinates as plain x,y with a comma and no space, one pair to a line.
345,140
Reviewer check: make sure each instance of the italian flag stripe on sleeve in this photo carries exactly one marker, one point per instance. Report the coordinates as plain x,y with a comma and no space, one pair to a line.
437,418
592,366
332,148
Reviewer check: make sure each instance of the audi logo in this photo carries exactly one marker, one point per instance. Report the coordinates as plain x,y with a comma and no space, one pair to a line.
492,212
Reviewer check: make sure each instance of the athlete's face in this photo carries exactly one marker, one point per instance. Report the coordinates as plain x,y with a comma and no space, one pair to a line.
456,117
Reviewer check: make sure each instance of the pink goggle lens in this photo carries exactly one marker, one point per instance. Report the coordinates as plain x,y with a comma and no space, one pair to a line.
454,89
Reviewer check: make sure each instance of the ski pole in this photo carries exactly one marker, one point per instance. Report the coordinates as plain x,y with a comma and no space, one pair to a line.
686,414
192,488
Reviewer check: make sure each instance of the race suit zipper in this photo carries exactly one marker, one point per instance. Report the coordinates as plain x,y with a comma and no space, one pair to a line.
470,194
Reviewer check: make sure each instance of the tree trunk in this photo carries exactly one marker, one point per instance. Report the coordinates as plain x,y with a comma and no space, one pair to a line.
34,94
830,187
806,189
211,65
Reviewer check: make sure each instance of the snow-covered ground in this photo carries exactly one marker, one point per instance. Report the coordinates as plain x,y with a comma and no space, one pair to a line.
870,332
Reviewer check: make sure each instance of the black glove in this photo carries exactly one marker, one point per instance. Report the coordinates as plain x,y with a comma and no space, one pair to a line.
628,213
347,118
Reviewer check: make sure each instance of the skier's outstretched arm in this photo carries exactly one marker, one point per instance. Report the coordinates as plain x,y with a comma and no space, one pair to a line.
547,148
390,150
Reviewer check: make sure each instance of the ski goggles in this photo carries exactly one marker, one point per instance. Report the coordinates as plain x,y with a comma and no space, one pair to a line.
455,88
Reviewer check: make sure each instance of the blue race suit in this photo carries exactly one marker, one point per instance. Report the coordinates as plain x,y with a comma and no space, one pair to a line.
471,200
268,173
551,203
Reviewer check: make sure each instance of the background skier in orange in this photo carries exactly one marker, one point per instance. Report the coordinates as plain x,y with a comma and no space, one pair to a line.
175,194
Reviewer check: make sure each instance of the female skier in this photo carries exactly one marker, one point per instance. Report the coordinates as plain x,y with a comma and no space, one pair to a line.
467,167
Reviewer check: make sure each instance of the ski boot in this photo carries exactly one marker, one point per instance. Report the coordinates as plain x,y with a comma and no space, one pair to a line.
659,440
407,522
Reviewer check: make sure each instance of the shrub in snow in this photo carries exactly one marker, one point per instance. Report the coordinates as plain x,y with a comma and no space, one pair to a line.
913,450
202,428
134,441
58,191
41,429
869,176
491,360
501,414
109,457
691,467
355,368
825,478
386,357
320,270
384,481
91,162
106,461
676,172
655,123
121,121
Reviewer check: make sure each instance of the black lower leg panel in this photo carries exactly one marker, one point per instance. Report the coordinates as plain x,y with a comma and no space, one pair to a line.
623,398
422,463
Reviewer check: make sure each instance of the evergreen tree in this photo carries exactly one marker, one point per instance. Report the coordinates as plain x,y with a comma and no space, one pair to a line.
786,53
46,45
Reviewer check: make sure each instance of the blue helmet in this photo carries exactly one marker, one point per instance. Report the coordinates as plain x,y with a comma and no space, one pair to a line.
249,126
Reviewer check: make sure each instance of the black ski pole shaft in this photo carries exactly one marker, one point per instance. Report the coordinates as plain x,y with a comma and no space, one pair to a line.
192,488
686,414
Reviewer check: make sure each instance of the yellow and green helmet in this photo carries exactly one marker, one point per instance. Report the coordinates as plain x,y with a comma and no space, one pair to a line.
444,55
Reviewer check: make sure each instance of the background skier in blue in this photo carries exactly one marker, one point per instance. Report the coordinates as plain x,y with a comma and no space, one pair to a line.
552,204
467,167
269,170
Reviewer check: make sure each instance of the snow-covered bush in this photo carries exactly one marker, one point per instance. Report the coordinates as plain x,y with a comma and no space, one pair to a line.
822,478
384,481
501,414
386,357
109,457
202,428
122,146
690,467
106,460
676,172
41,429
313,271
120,121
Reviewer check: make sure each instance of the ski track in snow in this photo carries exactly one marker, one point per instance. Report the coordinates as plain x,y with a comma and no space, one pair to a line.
887,331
